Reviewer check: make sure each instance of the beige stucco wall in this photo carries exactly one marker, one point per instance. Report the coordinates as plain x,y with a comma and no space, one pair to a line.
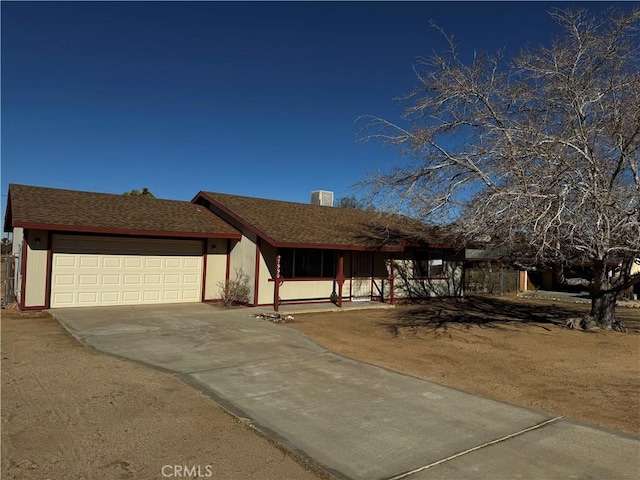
267,272
307,289
243,259
216,268
451,285
36,273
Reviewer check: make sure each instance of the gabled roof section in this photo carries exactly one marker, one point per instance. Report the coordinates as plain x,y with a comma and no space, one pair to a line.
289,224
77,211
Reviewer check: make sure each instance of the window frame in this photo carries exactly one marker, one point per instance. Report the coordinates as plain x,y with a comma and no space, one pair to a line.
293,255
424,261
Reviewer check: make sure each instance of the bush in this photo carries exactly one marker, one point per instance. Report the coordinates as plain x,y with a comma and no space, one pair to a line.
235,291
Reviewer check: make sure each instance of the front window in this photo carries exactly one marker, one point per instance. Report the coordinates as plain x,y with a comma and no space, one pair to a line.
307,263
428,264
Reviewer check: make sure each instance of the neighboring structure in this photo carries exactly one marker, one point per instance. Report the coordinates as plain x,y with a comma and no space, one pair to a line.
87,249
488,271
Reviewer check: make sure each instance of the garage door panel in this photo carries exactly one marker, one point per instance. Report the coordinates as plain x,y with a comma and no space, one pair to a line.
153,262
132,297
112,262
190,279
133,279
172,262
62,299
91,280
87,298
64,280
113,298
154,279
171,295
111,279
87,261
132,262
65,261
190,295
190,263
98,273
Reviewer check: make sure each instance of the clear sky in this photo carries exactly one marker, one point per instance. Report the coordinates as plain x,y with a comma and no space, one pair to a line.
246,98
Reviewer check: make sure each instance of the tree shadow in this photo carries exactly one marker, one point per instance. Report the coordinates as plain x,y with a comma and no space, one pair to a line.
476,311
384,230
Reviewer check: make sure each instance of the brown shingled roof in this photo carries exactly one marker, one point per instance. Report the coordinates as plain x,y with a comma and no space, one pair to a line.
305,225
71,210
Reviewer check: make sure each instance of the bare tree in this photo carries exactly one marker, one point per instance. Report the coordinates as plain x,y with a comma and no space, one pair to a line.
539,153
354,202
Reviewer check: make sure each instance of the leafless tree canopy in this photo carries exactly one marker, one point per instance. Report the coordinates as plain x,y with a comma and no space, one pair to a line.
540,153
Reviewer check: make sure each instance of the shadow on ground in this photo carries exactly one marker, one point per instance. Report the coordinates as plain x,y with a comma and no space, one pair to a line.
481,311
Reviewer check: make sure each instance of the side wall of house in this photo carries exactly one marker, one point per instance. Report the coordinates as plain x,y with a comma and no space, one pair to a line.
307,290
635,268
243,260
449,284
35,279
267,272
216,268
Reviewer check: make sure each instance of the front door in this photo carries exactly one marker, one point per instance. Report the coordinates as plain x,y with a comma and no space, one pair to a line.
361,272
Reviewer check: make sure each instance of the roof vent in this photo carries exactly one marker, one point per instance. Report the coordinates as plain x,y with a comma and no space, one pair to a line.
322,197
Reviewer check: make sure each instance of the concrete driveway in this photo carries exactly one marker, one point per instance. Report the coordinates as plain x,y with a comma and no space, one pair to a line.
352,419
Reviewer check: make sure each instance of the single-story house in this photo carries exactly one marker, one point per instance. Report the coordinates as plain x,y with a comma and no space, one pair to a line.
75,248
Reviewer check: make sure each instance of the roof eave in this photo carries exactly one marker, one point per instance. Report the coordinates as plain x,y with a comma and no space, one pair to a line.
126,231
371,248
227,211
333,246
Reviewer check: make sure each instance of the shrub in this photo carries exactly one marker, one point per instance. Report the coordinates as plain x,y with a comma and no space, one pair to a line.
235,291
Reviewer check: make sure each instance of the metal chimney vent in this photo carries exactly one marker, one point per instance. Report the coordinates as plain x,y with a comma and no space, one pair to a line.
322,197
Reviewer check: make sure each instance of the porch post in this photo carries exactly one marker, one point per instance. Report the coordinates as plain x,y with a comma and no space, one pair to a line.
392,275
276,287
256,282
340,277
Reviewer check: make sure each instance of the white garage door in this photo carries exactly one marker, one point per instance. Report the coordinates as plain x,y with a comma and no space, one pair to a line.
97,271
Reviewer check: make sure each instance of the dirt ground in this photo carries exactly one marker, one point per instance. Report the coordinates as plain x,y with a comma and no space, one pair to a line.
69,412
509,349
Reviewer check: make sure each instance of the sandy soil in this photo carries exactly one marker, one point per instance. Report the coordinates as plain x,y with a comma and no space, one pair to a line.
512,350
69,412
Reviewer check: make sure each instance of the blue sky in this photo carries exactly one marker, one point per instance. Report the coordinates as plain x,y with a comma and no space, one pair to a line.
247,98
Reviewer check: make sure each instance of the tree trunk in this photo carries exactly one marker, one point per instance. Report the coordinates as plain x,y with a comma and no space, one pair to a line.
603,302
603,312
